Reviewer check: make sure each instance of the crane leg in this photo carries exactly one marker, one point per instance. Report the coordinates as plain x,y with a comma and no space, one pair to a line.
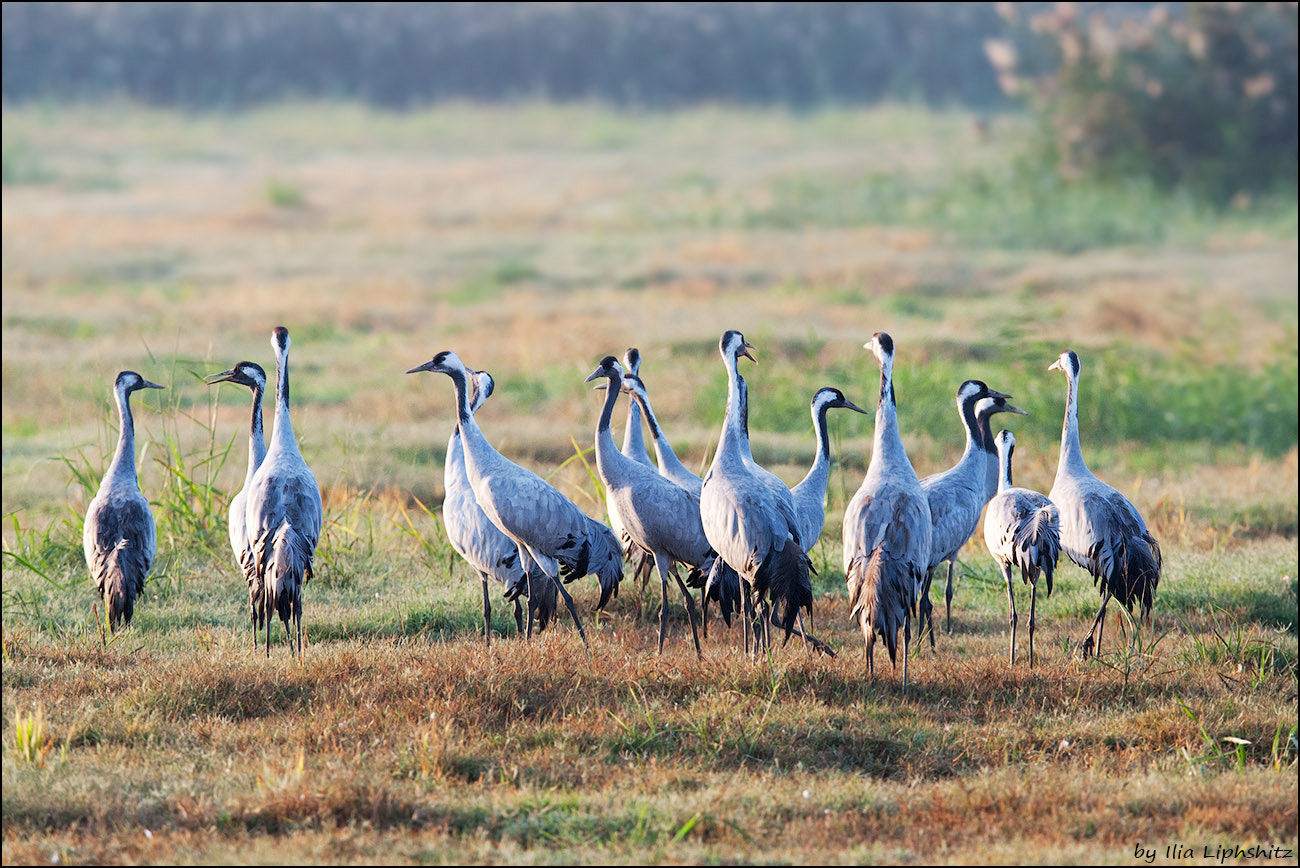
1033,604
266,606
663,605
947,598
519,616
528,595
768,612
1011,607
487,612
907,645
690,613
925,611
812,642
573,612
297,618
747,617
1098,623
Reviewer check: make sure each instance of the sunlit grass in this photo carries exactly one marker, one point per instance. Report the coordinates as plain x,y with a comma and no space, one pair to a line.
534,240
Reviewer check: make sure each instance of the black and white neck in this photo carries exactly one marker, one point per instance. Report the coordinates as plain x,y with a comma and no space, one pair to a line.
282,432
1006,443
1071,455
122,468
735,427
669,465
887,443
633,439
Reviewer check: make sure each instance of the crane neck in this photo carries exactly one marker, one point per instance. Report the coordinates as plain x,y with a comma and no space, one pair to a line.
633,438
605,449
823,439
1004,467
663,449
887,442
974,437
475,446
1071,454
985,433
735,427
122,468
256,439
282,432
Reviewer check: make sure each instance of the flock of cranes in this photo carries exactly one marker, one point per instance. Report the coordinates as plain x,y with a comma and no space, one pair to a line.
741,534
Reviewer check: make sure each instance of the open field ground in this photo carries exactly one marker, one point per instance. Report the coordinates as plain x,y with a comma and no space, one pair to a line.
533,241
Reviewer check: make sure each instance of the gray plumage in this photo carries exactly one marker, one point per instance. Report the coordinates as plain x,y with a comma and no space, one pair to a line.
748,514
660,517
956,497
492,554
119,538
546,527
252,376
1022,528
810,494
283,514
1101,530
887,529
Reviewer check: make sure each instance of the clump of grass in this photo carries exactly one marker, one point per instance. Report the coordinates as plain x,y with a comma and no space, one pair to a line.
32,741
284,195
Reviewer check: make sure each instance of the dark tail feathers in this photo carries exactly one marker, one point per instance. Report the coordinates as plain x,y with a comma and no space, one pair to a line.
786,574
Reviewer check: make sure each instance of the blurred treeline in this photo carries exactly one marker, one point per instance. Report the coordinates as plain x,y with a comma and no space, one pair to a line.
230,55
1199,97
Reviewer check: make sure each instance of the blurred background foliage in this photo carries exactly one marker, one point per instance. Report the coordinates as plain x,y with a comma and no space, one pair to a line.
1196,96
1202,97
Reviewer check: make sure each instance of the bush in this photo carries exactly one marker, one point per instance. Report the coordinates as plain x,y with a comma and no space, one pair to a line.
1203,99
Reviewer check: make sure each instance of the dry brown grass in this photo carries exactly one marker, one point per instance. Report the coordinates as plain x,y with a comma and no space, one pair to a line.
534,753
534,241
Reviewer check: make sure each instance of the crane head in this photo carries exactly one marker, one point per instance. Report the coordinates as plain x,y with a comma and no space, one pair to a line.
610,369
248,374
130,381
1067,363
829,396
734,345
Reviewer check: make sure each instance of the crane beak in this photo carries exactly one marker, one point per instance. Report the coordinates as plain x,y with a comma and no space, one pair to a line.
994,394
1010,409
849,405
599,372
1055,366
223,377
145,384
427,366
746,346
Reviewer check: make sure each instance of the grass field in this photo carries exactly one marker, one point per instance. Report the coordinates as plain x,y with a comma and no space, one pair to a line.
533,241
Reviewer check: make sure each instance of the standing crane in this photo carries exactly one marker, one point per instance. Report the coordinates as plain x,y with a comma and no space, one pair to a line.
810,494
546,527
119,537
492,554
661,518
1022,528
887,529
956,498
634,449
748,513
984,411
1100,530
251,375
283,514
